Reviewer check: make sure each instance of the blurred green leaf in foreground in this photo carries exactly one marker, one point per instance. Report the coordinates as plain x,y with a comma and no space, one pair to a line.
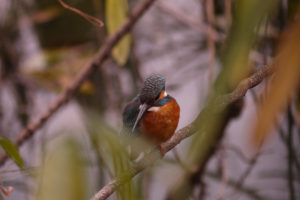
64,176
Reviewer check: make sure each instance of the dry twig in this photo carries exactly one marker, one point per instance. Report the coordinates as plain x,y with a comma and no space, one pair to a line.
91,19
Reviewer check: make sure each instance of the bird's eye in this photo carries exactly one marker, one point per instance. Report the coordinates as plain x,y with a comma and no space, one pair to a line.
157,97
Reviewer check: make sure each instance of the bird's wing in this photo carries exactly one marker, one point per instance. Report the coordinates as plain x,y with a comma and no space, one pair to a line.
130,114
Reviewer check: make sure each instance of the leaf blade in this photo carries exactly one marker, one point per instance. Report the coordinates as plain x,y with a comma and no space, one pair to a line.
116,13
11,150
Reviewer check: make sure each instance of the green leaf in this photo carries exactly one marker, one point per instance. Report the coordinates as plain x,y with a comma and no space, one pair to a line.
11,150
115,15
64,174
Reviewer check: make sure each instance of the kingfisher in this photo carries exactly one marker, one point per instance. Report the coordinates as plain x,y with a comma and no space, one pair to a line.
150,119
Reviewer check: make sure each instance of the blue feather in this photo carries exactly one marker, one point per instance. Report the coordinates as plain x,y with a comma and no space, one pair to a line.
130,114
163,101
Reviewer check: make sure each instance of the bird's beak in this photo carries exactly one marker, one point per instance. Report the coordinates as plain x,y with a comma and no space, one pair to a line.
143,109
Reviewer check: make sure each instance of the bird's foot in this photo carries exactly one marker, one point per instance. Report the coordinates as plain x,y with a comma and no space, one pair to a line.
151,158
161,150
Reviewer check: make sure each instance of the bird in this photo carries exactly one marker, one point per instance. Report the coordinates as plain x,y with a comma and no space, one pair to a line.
150,119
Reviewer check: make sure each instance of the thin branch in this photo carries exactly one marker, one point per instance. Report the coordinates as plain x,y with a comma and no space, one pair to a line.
224,167
86,72
296,117
91,19
236,150
243,177
187,131
252,193
228,14
201,27
19,170
286,143
203,188
290,155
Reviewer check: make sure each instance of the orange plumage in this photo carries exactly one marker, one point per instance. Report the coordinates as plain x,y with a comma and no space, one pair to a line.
160,126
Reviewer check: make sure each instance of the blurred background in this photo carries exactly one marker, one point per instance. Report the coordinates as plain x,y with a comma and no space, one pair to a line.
203,48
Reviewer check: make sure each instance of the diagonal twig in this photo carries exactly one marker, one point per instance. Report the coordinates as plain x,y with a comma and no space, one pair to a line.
201,27
187,131
91,19
238,151
86,72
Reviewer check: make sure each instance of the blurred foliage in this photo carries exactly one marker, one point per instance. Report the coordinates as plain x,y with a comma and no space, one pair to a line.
11,150
116,12
112,156
247,16
63,65
64,175
234,69
282,86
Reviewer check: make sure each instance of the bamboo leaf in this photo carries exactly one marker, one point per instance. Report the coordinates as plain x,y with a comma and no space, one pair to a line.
11,150
116,13
284,84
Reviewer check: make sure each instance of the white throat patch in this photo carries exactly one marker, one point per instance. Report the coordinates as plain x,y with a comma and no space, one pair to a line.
165,94
153,109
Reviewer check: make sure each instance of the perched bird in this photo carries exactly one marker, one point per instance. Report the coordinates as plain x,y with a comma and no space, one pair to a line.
150,119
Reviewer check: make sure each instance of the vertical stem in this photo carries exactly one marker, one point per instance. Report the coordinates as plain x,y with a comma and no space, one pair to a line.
228,14
210,15
98,6
1,112
290,155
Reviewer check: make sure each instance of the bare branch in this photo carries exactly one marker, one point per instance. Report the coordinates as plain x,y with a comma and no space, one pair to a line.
87,70
187,131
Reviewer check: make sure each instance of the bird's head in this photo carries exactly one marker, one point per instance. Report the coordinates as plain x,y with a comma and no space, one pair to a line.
151,90
152,87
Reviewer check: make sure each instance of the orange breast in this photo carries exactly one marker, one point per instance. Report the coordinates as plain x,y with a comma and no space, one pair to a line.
158,127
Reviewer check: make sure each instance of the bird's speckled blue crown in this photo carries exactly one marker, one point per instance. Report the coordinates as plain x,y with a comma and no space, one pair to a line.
152,87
